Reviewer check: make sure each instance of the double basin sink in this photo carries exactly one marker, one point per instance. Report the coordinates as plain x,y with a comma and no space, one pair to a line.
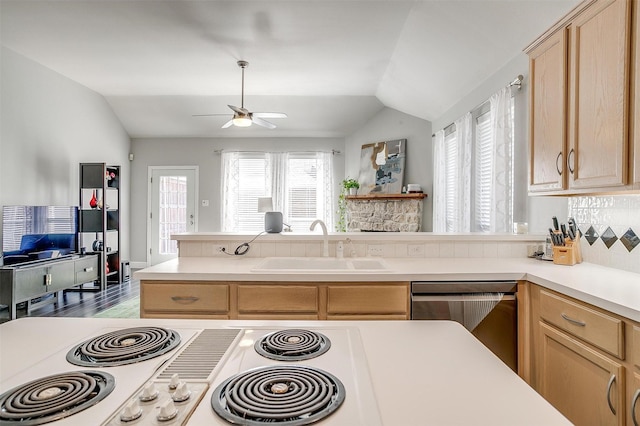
320,264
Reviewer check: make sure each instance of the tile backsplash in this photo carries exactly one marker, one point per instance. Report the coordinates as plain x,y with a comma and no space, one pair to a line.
610,226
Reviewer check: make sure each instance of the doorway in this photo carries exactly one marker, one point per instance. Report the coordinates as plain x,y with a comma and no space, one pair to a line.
172,209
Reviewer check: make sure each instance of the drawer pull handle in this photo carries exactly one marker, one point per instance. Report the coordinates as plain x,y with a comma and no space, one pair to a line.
185,299
634,401
573,321
609,385
89,269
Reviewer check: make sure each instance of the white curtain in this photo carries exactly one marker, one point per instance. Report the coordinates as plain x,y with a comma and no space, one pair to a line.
277,165
230,191
502,173
439,184
452,178
461,220
325,182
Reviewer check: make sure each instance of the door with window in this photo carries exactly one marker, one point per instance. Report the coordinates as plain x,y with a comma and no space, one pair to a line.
172,209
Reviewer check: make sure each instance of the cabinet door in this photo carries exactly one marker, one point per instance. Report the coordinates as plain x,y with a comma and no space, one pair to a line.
548,77
584,385
635,109
598,155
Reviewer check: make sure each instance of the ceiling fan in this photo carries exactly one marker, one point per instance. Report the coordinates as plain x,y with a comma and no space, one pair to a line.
242,117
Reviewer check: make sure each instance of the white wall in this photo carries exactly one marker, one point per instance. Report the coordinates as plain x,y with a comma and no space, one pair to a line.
391,124
537,211
50,124
202,152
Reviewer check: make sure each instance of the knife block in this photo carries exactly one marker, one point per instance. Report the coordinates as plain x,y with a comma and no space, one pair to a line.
569,254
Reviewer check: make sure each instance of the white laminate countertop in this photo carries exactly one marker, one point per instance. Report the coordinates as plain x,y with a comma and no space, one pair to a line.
422,372
611,289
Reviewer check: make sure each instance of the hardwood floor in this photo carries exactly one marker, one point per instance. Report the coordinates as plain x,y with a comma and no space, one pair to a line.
81,303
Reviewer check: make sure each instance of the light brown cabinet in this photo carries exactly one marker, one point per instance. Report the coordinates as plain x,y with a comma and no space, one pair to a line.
548,77
274,300
635,105
580,104
585,361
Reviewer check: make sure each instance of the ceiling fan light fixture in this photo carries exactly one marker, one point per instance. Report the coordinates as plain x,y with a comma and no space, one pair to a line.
242,122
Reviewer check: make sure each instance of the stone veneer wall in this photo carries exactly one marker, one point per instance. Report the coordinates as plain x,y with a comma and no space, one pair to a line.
610,228
384,215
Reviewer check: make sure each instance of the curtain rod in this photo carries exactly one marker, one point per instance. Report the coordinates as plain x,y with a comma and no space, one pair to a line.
220,151
517,82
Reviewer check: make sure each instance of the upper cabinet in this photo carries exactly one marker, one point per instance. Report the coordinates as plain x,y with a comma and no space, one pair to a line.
635,106
580,77
548,77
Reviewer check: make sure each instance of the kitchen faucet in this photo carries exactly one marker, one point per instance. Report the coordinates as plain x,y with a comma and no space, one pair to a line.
325,237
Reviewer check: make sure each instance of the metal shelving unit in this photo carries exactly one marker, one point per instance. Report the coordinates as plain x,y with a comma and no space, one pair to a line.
99,222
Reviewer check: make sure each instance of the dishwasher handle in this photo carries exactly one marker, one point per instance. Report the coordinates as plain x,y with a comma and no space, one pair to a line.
459,287
465,297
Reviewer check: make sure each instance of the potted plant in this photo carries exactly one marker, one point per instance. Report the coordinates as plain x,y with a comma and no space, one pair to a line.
351,185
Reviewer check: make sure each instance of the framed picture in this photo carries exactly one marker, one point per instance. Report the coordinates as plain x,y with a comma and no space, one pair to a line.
382,167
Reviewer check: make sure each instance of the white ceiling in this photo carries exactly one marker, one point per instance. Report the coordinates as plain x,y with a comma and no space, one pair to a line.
330,65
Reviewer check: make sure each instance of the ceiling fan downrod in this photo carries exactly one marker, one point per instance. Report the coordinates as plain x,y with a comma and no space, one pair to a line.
243,65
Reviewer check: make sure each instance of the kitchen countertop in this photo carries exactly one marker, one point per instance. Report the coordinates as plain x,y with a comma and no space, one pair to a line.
611,289
423,372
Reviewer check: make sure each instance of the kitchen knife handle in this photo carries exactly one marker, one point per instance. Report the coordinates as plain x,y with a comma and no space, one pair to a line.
634,402
570,160
555,223
557,164
573,321
609,386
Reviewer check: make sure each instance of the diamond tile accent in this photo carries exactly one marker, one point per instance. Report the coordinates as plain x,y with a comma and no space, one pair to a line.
608,237
591,236
630,240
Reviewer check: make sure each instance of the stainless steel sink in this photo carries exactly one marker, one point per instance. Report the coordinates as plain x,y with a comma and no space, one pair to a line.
320,264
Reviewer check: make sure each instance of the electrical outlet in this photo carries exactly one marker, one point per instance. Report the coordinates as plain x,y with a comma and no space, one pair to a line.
205,203
375,250
219,249
415,250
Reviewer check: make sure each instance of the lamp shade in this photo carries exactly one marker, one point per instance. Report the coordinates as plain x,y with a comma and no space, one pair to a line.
265,204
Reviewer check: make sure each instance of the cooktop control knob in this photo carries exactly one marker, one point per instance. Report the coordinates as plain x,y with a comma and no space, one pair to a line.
131,412
175,381
149,392
168,411
182,393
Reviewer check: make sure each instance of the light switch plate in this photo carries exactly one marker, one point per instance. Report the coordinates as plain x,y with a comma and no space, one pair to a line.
375,250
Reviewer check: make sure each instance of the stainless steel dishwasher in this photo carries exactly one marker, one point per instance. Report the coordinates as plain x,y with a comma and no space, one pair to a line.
488,309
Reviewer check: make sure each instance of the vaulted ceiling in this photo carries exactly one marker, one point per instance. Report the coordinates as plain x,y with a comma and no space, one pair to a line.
330,65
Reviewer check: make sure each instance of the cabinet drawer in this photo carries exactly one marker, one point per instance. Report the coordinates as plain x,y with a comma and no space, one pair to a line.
186,297
275,298
86,269
602,331
367,299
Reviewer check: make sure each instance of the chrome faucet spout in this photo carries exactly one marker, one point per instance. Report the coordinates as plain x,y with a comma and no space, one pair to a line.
325,236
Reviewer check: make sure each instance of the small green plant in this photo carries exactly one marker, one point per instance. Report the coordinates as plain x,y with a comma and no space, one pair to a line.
341,225
350,183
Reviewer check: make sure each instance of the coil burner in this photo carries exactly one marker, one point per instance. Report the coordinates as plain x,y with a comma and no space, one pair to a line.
284,395
54,397
292,345
125,346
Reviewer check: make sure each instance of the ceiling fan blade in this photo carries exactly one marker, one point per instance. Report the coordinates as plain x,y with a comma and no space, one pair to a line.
270,114
239,110
209,115
227,124
260,122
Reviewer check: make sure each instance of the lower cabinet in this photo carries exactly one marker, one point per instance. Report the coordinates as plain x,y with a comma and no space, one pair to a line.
585,360
584,385
274,300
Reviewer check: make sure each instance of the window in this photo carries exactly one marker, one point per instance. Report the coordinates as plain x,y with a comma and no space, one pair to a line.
473,170
300,184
